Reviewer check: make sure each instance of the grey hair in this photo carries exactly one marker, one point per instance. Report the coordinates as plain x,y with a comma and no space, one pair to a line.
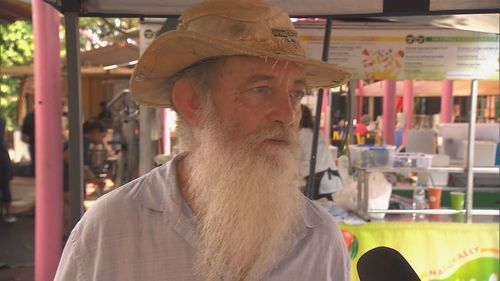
204,75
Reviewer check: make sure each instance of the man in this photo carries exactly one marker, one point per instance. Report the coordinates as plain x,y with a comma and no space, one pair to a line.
93,135
227,208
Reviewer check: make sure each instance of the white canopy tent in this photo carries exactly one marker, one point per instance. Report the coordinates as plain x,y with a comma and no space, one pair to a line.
296,8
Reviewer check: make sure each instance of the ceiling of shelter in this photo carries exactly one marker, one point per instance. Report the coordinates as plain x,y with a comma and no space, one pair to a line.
12,10
489,23
117,59
298,7
117,54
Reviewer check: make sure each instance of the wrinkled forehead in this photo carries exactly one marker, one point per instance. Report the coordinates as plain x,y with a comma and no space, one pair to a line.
243,66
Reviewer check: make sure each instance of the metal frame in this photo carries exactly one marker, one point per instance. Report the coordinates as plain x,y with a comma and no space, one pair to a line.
363,210
319,106
470,153
75,118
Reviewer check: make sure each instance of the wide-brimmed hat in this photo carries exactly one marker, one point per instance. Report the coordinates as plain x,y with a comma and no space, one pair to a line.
218,28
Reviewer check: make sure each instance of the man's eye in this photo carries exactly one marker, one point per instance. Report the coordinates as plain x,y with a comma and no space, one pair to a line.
262,90
298,94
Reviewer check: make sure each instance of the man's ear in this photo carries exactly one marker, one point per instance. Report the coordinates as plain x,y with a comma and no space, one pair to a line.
186,100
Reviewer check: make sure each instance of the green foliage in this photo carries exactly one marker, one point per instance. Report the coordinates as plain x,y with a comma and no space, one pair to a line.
16,48
17,43
101,32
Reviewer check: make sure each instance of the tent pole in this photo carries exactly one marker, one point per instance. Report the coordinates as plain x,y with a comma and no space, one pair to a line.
389,111
470,152
319,106
446,101
75,117
351,108
48,141
407,108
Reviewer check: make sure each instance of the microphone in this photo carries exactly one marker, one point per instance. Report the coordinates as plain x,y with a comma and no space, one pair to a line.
385,264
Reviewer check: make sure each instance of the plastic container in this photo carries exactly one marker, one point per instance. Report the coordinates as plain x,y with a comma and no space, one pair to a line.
413,160
372,156
359,156
382,156
484,153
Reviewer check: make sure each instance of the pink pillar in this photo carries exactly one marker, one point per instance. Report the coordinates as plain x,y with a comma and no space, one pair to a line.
166,132
324,112
446,101
407,106
389,111
359,100
48,141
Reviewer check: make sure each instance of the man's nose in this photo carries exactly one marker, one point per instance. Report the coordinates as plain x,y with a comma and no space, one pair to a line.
284,110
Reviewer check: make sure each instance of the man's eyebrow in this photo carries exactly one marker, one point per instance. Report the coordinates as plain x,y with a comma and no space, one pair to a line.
300,82
262,77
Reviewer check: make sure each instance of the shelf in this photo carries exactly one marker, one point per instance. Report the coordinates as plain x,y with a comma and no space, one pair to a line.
478,170
449,188
476,212
363,190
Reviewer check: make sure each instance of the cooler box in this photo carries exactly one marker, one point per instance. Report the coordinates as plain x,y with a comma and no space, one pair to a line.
484,153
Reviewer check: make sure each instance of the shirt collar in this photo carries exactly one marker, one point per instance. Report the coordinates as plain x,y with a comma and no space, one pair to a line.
160,192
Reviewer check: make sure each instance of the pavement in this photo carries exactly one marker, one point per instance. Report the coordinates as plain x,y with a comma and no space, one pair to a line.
17,239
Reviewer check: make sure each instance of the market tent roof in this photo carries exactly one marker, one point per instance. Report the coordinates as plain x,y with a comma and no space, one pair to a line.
294,7
28,70
117,54
115,60
433,88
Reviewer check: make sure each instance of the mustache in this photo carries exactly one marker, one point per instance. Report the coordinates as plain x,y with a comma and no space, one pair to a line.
278,132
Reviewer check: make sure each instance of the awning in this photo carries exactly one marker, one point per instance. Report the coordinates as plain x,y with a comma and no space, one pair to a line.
316,8
92,70
433,88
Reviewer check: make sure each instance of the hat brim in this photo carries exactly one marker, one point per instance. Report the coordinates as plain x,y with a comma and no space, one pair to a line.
174,51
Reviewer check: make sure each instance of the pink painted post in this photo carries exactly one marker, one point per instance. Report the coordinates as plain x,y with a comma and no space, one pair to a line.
324,112
166,132
359,100
407,106
446,101
48,141
389,111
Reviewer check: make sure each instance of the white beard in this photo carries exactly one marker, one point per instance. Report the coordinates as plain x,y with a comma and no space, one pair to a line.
246,199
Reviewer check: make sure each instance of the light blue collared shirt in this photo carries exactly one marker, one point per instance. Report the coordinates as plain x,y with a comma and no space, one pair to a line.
145,231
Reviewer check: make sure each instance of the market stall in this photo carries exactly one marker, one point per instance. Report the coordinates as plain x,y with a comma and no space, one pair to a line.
409,225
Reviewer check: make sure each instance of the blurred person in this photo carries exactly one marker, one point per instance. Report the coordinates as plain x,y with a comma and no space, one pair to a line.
361,126
228,207
93,134
326,177
28,136
5,177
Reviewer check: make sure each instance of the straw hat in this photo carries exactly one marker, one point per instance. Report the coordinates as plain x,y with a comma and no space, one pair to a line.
217,28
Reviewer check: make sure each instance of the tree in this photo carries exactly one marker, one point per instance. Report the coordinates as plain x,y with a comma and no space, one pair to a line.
16,48
17,44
